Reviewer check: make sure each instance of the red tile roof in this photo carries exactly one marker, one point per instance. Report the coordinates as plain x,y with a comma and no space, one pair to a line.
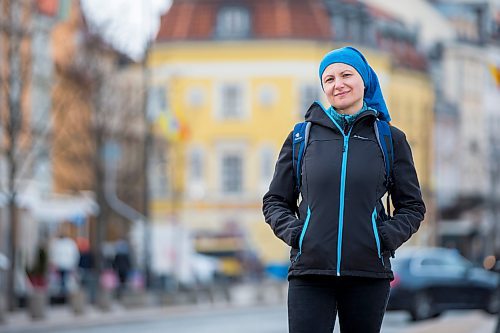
47,7
403,53
196,19
406,56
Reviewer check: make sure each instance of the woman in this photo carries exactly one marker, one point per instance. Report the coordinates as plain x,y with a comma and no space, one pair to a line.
342,239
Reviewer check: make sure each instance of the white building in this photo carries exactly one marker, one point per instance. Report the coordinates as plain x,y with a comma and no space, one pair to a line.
459,38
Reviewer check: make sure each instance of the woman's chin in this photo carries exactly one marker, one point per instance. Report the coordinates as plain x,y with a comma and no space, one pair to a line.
342,106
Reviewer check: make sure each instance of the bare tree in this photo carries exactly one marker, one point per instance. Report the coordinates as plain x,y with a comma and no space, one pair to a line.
105,107
15,76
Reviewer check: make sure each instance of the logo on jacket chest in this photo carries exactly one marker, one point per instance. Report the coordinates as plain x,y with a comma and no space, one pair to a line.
359,137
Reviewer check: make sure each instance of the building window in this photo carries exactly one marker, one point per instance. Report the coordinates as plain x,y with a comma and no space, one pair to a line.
43,171
195,97
308,94
231,104
195,173
42,75
338,27
196,165
158,179
267,160
157,102
267,95
267,163
232,173
355,30
233,22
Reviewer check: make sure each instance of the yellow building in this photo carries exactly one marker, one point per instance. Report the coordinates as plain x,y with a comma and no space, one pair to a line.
411,101
234,79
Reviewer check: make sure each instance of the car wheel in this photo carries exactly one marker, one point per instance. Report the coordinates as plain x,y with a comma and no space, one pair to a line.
422,307
436,314
493,305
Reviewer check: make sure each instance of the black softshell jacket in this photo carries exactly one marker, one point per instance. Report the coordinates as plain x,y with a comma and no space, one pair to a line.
339,227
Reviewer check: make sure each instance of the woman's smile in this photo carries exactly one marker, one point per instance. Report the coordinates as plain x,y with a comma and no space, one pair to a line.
340,94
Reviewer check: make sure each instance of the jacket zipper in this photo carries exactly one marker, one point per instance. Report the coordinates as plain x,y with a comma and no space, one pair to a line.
345,149
375,232
303,233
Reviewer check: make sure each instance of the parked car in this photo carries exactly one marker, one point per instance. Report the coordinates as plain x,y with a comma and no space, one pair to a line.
428,281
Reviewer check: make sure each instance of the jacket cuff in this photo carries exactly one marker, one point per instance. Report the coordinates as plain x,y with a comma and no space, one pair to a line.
387,244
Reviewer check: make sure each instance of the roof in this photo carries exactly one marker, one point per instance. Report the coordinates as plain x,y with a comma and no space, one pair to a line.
407,56
48,7
270,19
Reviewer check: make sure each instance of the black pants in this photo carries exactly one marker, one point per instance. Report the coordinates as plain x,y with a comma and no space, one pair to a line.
63,285
313,302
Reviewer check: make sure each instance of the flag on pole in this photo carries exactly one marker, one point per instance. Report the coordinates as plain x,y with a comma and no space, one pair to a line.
495,73
166,121
171,126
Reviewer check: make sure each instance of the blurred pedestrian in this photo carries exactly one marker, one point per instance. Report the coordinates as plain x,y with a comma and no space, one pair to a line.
64,256
341,237
37,272
86,266
122,265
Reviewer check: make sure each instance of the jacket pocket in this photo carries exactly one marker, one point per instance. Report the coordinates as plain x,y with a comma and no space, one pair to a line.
303,233
375,234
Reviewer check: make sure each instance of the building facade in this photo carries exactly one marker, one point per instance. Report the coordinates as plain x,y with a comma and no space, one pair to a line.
234,79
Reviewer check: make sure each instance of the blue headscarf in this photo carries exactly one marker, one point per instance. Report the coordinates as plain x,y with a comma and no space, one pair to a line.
373,94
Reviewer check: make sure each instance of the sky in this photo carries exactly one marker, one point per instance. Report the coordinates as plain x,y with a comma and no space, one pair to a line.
126,24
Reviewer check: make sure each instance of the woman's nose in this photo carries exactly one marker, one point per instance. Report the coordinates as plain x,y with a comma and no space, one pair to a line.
339,83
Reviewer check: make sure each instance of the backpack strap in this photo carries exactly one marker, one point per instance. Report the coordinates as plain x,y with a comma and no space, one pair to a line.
300,138
384,137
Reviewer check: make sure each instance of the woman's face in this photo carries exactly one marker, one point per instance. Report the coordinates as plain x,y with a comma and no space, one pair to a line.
343,87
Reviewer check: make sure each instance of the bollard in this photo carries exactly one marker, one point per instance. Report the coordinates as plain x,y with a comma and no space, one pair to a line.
78,301
269,292
203,295
37,304
167,299
218,294
104,300
184,297
243,294
2,309
134,299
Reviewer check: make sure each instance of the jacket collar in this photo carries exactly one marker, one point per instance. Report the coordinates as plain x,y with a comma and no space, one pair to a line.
317,114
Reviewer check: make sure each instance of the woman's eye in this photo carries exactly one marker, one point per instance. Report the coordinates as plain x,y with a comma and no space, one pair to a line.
347,75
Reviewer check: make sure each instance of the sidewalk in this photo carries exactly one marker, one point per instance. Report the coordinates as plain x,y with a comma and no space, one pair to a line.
471,322
62,317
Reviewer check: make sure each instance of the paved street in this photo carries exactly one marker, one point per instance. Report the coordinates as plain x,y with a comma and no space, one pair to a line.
272,319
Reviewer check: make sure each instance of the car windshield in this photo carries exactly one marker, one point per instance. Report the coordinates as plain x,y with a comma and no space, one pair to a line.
439,262
444,258
430,260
